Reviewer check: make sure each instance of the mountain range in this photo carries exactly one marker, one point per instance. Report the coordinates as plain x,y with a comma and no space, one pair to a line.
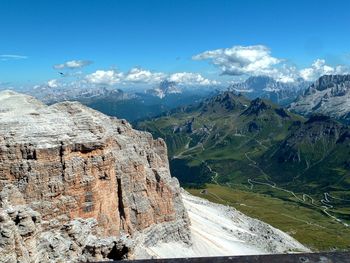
149,102
266,87
329,95
60,162
130,105
223,129
80,186
256,146
51,95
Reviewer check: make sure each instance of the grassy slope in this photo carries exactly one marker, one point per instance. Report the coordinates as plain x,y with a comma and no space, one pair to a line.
311,227
227,140
230,153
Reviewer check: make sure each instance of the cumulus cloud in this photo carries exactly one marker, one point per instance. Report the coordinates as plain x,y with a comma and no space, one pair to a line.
188,78
319,68
240,60
257,60
6,57
105,77
53,83
136,76
286,73
139,75
72,64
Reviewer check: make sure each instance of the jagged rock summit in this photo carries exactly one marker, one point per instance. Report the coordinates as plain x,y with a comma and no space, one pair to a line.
77,185
329,95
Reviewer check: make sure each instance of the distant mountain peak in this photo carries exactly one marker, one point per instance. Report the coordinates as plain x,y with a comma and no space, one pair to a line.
165,84
165,88
268,88
328,81
329,95
53,95
258,80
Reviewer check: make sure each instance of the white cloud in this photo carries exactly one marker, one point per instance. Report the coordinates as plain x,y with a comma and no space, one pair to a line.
6,57
240,60
105,77
72,64
257,60
319,68
138,75
188,78
286,79
52,83
286,74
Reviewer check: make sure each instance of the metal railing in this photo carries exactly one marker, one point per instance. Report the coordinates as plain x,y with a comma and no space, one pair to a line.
332,257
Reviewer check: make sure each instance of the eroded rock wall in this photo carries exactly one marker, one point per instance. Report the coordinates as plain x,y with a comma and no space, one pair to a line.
73,167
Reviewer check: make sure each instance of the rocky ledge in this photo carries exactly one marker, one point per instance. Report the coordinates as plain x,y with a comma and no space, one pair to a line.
77,185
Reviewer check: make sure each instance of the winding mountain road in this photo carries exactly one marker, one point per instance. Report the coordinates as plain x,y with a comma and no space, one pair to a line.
305,198
325,201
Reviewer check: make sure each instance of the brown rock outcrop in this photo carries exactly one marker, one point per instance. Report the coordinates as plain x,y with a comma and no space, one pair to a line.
67,166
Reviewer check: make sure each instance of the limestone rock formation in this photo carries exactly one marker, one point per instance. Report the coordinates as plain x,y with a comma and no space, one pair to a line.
329,95
78,185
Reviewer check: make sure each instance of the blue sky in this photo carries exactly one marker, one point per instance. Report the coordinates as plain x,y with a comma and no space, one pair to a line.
162,36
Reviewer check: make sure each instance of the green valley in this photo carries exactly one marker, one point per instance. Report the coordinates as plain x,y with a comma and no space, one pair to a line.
305,224
239,149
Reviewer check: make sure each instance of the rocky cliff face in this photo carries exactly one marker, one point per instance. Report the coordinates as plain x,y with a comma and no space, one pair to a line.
78,185
329,95
317,136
